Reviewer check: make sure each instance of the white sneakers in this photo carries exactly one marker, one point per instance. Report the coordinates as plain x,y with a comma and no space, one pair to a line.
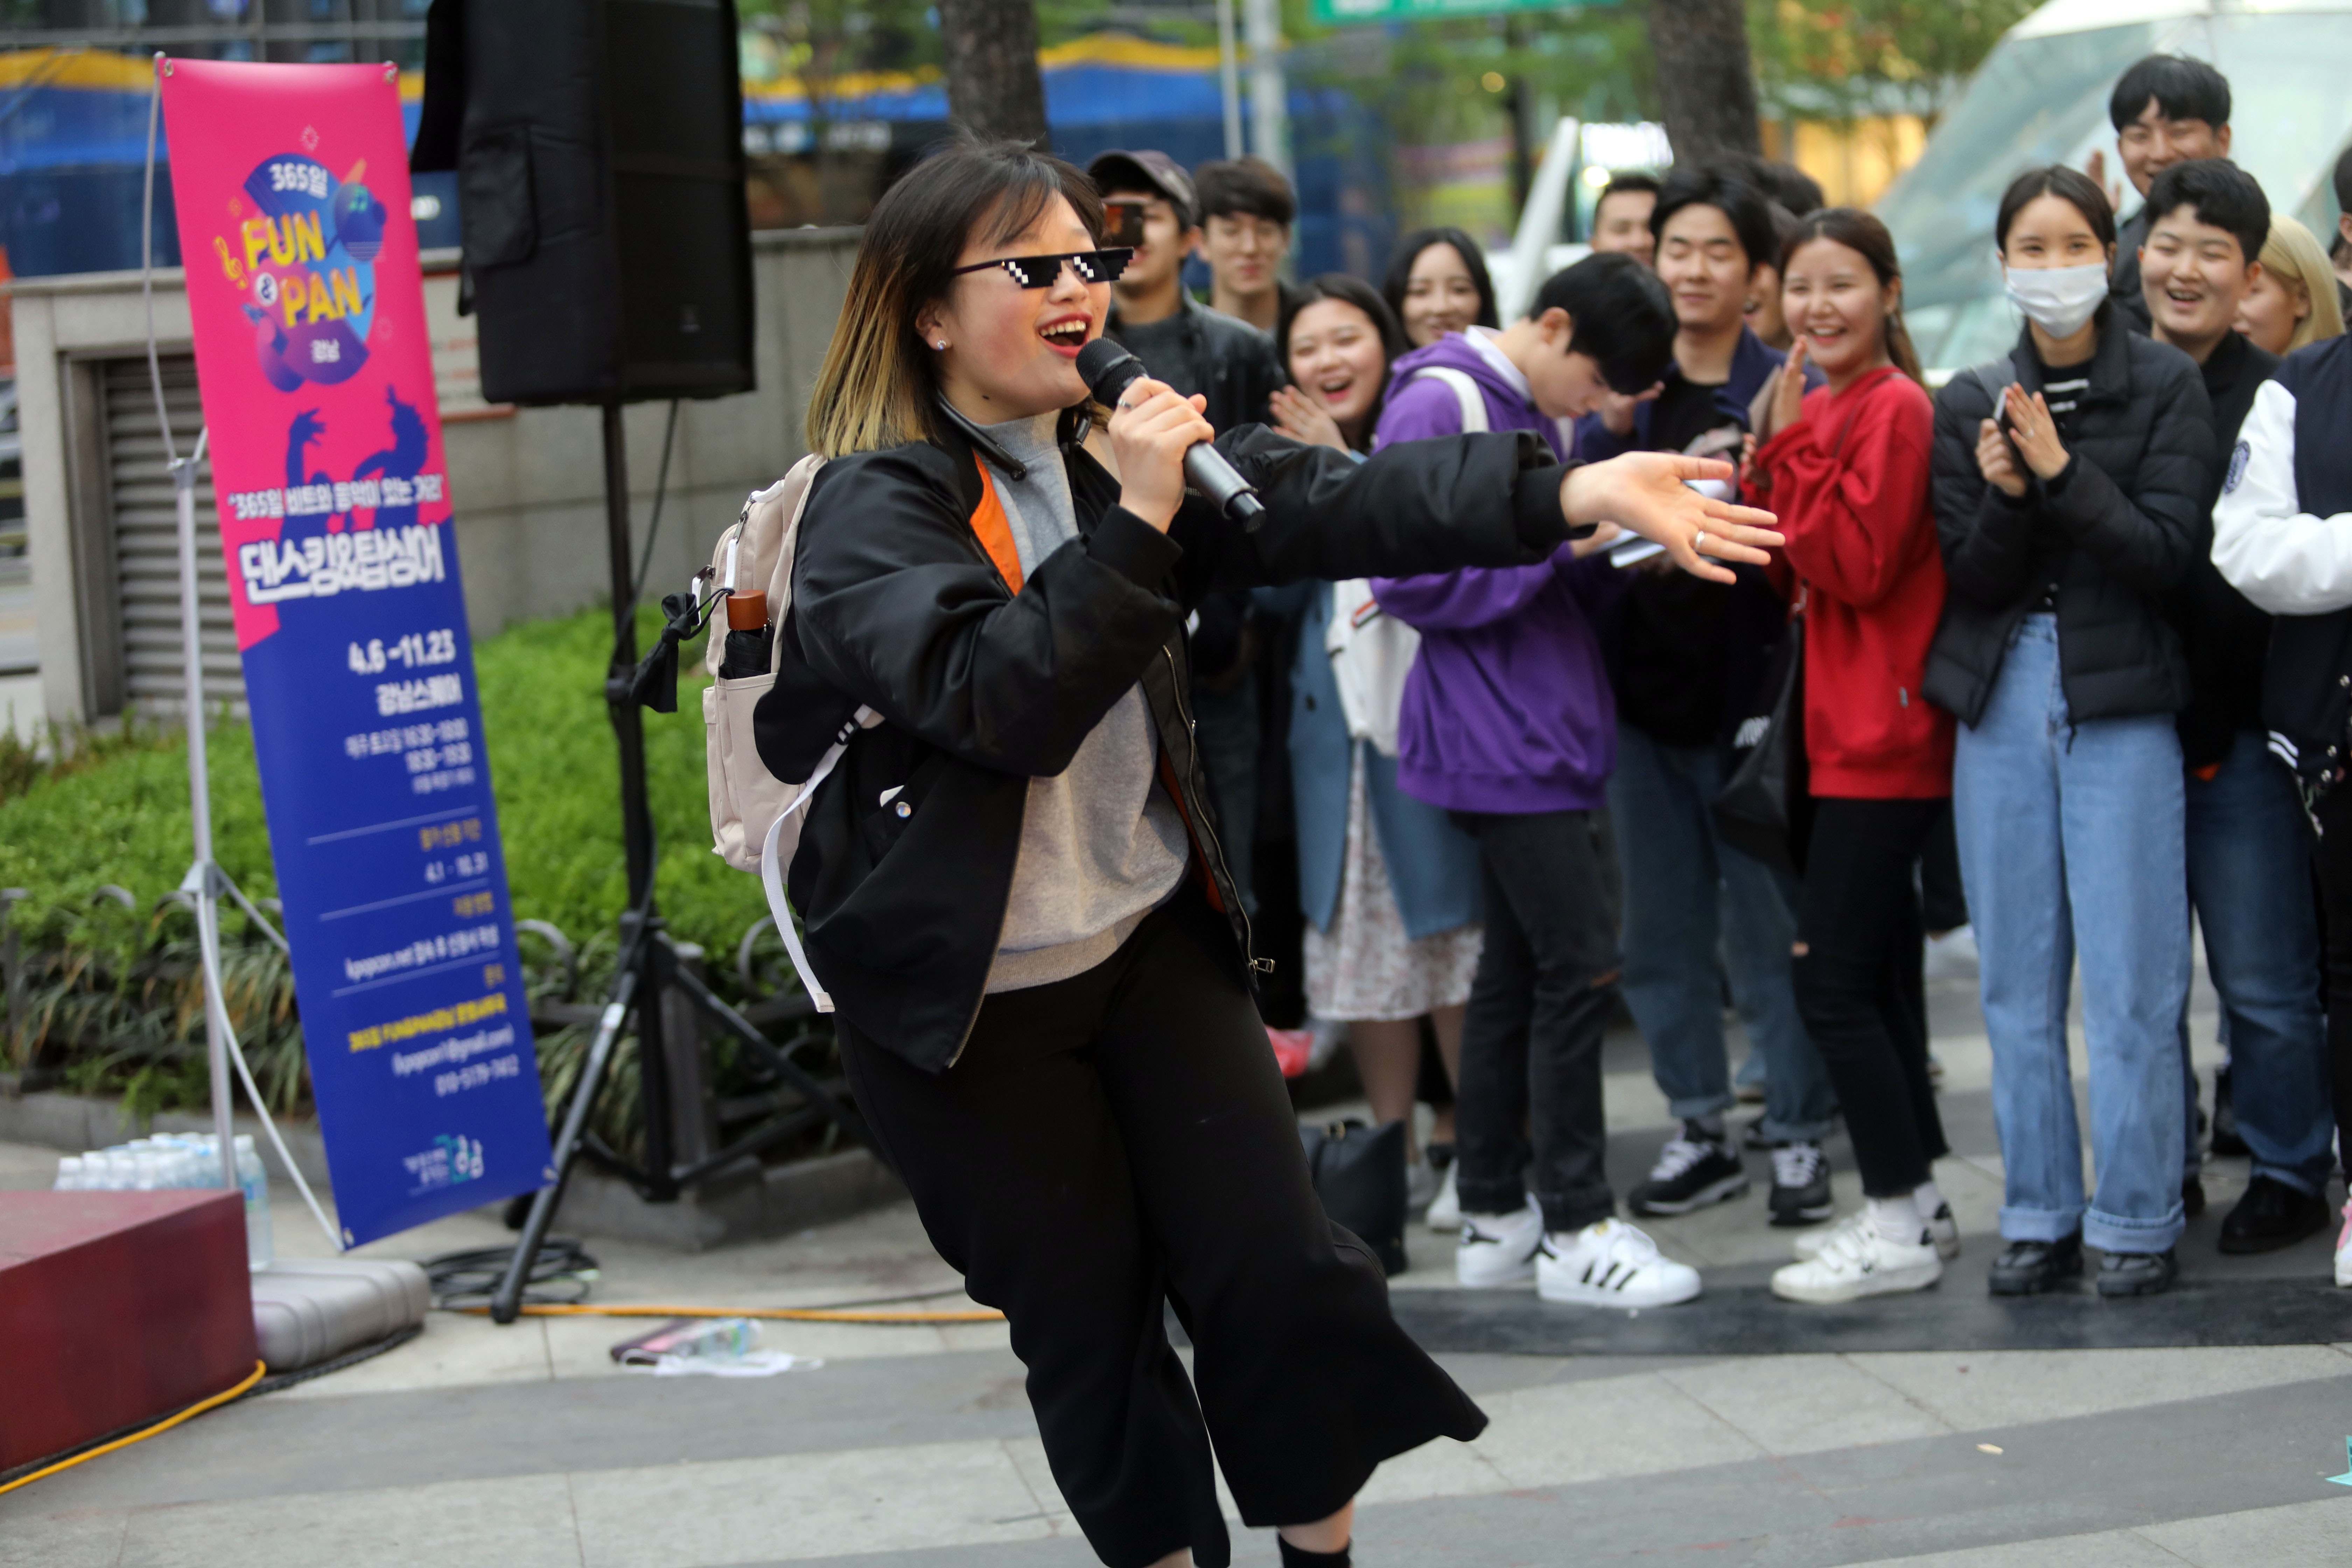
1856,1259
1499,1249
1445,1209
1943,1233
2344,1249
1609,1263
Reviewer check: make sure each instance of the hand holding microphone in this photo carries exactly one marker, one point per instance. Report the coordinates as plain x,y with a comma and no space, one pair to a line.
1161,441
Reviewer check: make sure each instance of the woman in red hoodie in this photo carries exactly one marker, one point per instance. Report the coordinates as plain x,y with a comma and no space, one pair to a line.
1845,466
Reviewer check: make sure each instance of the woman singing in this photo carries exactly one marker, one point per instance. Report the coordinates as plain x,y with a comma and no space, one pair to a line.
1014,887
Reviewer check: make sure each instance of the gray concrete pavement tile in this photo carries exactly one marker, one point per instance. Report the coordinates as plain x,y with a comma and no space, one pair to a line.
454,1350
806,1505
2101,1549
2316,1534
268,1445
2121,1471
74,1538
1480,1374
1974,1390
514,1522
1561,1434
1804,1404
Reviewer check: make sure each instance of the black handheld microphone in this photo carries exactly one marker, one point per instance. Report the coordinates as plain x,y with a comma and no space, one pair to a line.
1109,370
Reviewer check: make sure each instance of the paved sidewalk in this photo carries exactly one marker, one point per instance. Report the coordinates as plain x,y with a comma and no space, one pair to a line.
913,1447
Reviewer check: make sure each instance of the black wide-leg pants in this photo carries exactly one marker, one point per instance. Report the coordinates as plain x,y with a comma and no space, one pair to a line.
1121,1138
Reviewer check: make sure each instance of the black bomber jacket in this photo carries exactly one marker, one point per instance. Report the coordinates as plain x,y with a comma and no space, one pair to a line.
905,864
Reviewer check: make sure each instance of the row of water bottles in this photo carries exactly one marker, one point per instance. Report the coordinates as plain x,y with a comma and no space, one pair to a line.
170,1160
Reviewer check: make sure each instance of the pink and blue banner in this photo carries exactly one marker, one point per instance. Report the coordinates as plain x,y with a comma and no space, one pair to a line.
292,184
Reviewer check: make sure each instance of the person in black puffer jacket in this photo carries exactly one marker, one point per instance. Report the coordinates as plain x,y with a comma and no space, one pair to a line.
2068,490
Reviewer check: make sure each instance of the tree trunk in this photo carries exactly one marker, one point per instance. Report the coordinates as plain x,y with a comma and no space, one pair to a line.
1706,83
991,56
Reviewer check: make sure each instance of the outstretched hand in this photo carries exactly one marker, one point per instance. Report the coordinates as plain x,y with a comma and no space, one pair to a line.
1643,493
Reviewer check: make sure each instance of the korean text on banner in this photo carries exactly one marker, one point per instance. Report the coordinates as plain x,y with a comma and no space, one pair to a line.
292,184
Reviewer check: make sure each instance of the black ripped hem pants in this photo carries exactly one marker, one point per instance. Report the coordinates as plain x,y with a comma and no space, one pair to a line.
1859,984
1123,1138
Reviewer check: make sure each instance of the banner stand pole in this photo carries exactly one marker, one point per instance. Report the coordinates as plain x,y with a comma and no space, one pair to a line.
205,881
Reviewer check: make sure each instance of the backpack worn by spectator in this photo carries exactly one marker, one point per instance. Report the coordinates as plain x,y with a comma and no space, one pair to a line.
1372,652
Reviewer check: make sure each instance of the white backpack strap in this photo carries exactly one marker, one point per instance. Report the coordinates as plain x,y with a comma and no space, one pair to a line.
1465,393
771,871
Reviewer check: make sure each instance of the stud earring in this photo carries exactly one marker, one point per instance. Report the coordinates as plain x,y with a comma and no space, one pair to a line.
942,344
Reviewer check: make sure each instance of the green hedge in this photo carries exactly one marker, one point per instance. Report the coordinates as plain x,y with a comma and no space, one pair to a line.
124,820
116,812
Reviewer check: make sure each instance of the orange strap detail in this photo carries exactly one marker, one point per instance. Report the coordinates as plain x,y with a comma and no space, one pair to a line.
996,534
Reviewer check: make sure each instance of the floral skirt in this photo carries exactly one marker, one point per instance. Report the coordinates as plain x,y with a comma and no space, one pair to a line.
1365,966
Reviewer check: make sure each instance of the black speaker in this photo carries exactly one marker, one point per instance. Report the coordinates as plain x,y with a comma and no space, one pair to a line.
599,150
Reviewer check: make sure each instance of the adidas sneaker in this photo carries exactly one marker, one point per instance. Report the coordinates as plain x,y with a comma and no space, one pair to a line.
1499,1249
1611,1264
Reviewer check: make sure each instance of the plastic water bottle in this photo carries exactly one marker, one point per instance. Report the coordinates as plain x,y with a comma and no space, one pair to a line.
69,1175
254,1180
722,1339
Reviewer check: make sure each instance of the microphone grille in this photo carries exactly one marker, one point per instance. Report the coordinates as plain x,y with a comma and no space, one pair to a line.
1106,367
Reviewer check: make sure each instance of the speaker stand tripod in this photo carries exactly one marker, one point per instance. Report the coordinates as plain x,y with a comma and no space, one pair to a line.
650,964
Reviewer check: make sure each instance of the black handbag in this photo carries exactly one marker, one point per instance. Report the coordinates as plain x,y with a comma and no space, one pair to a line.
1359,1173
1765,810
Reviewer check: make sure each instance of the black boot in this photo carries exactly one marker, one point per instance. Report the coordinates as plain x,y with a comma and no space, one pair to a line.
2272,1216
2136,1273
2031,1267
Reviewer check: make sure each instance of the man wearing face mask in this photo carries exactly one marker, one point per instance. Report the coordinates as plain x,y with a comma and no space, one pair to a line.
2069,485
2167,110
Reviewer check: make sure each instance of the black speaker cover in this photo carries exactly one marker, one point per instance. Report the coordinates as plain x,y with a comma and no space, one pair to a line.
599,148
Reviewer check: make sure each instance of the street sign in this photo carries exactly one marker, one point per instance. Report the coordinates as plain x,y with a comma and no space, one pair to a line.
1340,12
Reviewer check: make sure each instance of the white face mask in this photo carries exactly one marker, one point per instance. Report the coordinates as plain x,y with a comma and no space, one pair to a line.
2058,299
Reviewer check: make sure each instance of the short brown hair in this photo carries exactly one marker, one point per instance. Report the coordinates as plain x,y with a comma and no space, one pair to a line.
1249,185
873,389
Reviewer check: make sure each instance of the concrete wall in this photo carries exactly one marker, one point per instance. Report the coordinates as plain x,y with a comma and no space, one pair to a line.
528,484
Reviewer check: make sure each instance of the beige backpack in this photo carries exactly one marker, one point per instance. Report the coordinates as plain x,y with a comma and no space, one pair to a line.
755,816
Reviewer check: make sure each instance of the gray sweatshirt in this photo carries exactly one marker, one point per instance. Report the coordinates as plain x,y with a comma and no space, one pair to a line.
1101,843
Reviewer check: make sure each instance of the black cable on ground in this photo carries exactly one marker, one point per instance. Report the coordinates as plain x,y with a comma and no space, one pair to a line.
368,1351
560,1276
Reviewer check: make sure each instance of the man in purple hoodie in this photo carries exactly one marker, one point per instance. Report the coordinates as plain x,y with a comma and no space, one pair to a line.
1510,725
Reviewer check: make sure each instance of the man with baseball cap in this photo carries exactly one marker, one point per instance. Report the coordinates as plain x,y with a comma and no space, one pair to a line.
1183,342
1198,352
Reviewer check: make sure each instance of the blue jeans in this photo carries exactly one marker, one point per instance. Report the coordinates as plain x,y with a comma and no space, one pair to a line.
1684,888
2070,841
2249,881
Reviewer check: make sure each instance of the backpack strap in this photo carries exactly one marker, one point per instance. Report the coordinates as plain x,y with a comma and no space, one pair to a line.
990,525
1465,393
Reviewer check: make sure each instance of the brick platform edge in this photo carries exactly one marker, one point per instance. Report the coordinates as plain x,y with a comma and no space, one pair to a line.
746,1204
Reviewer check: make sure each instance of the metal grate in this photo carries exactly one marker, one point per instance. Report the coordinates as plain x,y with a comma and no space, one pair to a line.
147,542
